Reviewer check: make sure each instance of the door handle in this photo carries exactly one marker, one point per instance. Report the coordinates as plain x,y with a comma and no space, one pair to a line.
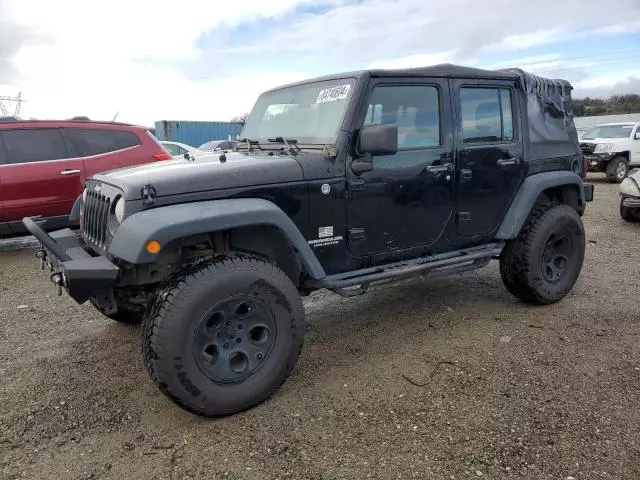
447,167
69,172
508,162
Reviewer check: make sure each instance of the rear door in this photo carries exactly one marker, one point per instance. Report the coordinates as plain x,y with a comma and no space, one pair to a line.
106,149
4,226
38,177
490,163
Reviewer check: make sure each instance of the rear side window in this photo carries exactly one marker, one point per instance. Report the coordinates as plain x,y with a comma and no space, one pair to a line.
33,145
90,141
486,115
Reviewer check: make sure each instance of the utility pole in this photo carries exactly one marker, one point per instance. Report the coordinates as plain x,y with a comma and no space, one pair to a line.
5,102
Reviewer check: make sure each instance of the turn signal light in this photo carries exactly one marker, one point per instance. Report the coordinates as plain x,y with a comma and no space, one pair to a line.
153,247
162,156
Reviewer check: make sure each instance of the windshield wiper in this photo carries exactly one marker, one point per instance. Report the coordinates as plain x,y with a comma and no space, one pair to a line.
250,143
290,143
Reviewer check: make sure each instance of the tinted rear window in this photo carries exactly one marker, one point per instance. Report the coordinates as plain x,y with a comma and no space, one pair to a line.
33,145
90,141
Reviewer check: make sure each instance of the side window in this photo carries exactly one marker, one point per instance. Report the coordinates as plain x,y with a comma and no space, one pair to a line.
90,141
37,145
486,115
415,109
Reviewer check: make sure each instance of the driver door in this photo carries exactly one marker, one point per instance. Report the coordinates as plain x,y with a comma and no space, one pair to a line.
406,200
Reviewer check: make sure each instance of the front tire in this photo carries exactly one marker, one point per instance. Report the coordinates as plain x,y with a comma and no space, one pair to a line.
223,337
617,169
542,264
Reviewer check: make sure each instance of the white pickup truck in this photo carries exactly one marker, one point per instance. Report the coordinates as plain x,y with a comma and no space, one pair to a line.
612,148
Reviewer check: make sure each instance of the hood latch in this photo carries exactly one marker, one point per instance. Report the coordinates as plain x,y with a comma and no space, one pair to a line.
149,195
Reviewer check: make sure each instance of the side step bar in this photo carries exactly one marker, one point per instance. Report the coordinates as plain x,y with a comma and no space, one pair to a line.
419,268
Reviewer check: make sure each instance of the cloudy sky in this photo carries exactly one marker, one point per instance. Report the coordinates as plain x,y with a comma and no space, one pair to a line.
209,59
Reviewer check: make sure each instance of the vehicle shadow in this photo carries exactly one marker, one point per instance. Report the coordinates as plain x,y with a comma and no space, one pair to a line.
101,374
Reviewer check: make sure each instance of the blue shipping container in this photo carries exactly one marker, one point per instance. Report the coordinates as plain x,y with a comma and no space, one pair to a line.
196,133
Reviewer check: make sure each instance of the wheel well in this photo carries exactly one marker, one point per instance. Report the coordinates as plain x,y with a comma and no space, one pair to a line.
624,155
565,194
269,243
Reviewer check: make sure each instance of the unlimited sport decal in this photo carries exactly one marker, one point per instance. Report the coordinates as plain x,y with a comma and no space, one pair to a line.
325,238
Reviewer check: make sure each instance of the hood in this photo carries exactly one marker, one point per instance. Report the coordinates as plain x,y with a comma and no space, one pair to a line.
178,176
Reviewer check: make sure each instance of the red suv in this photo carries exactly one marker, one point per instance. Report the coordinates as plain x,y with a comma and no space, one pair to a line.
44,164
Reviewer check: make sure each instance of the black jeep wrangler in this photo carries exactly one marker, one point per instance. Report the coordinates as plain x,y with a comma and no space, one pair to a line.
348,183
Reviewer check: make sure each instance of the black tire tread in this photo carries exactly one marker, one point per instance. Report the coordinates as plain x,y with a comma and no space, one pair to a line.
177,290
514,267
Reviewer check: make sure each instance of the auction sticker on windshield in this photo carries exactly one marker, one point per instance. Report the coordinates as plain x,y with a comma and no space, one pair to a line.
334,93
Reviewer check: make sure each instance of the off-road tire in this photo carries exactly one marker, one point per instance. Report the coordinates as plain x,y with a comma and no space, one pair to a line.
615,169
170,329
126,315
629,214
521,261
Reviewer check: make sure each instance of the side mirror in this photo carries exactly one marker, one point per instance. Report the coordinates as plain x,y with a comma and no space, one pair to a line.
378,140
637,135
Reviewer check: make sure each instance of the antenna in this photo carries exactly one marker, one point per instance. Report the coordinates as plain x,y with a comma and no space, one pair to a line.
115,116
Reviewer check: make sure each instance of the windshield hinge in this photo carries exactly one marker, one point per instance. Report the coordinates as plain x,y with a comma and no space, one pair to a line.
148,193
329,151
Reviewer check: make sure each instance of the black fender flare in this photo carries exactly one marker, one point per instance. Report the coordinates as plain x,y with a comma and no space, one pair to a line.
165,224
527,195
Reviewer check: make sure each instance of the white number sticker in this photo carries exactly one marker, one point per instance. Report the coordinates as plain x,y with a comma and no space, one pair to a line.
334,93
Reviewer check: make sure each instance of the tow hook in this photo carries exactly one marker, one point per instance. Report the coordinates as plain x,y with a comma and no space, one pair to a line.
41,254
58,279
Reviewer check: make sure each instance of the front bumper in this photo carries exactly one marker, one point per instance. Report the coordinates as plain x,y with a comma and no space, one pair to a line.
74,268
630,202
596,162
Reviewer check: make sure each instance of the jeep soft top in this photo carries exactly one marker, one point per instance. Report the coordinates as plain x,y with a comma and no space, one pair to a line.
349,182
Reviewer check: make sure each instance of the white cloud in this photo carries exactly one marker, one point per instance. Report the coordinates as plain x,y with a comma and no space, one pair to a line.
80,57
411,61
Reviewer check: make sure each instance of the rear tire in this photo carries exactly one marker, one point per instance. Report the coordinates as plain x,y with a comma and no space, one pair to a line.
617,169
541,265
223,336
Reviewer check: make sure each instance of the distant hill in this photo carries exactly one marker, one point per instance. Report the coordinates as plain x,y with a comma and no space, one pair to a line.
615,105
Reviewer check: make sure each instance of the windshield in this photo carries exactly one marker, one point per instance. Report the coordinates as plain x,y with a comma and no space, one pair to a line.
608,131
209,146
310,113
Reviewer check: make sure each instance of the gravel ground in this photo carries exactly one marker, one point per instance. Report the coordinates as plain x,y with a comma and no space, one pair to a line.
453,379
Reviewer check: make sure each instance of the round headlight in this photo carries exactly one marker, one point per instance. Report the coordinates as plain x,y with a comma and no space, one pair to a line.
118,211
630,187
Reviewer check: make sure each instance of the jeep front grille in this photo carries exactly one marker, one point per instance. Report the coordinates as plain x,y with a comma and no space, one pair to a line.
587,148
95,223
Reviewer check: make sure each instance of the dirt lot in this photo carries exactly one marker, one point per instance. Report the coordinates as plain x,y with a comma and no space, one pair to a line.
448,380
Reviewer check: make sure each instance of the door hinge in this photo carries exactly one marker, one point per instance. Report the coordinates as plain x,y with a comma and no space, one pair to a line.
356,233
464,216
